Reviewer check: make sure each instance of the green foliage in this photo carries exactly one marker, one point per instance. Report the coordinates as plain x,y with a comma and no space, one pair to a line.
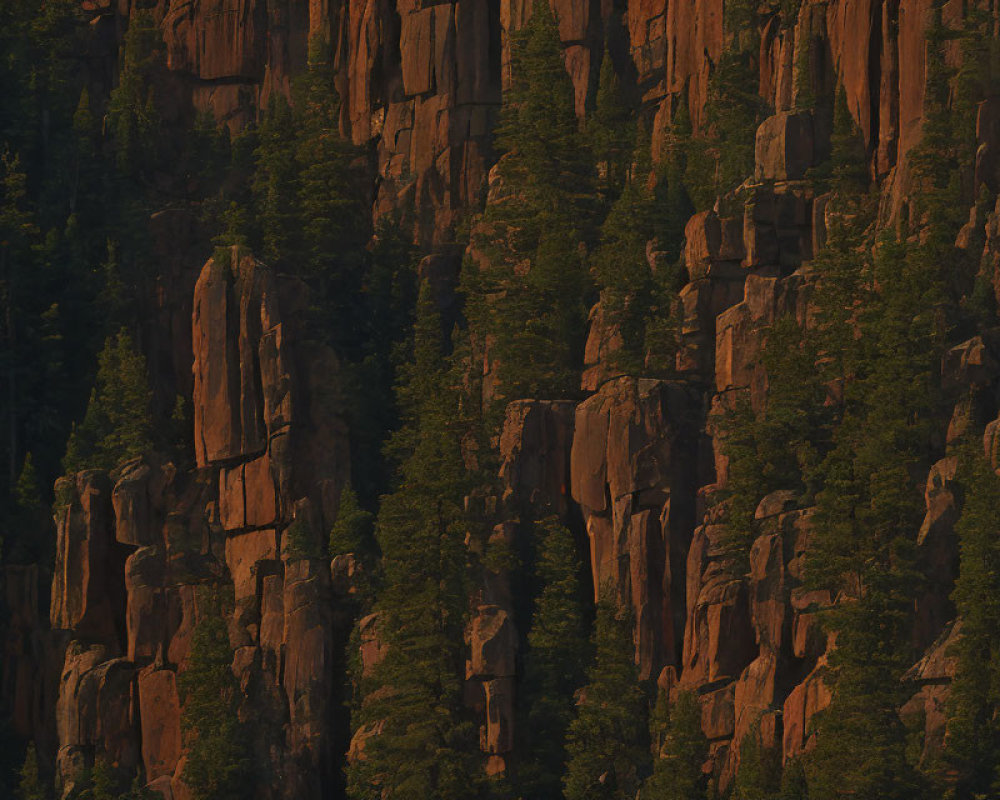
611,130
680,749
31,786
26,541
133,117
608,740
867,514
219,765
722,156
779,446
635,299
427,745
352,530
972,750
527,294
554,665
759,776
117,425
275,183
847,149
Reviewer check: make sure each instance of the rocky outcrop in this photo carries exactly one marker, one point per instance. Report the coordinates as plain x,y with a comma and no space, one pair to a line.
634,473
145,552
633,469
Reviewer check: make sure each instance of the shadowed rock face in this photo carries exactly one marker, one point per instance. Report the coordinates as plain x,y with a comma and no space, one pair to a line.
632,468
422,81
141,552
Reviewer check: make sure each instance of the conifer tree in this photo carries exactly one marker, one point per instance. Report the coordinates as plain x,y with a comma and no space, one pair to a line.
679,750
868,512
611,130
218,763
631,293
275,186
133,117
333,222
972,747
426,746
31,786
352,529
555,662
117,424
528,296
759,774
780,445
608,740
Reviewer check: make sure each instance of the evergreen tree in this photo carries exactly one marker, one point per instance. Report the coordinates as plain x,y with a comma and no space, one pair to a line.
527,297
554,665
426,746
721,157
972,746
352,530
759,774
133,118
334,225
679,748
868,512
611,130
608,740
634,298
31,786
779,446
117,424
218,763
275,186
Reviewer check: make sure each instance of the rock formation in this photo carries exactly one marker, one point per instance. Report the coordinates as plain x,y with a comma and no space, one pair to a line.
631,467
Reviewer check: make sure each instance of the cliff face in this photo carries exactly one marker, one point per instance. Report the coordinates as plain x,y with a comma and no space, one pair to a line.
422,81
632,467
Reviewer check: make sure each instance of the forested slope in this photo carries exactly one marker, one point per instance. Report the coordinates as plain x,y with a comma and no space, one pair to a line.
495,398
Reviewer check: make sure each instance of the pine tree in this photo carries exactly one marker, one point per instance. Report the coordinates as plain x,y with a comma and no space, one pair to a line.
608,740
527,298
868,512
101,782
555,662
629,287
352,529
333,222
759,773
611,130
426,746
275,187
133,118
218,763
117,424
972,746
31,786
679,748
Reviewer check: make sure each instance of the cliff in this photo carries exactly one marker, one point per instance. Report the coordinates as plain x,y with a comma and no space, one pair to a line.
632,468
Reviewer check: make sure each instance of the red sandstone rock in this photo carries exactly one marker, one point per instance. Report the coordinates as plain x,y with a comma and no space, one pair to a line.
159,712
803,703
784,147
84,535
535,452
244,553
494,643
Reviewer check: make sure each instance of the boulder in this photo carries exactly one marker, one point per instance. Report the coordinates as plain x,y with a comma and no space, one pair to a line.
784,147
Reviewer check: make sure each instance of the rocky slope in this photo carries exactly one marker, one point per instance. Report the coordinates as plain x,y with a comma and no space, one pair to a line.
631,468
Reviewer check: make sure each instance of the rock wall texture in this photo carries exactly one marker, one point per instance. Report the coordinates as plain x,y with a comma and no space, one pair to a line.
144,552
631,467
421,82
